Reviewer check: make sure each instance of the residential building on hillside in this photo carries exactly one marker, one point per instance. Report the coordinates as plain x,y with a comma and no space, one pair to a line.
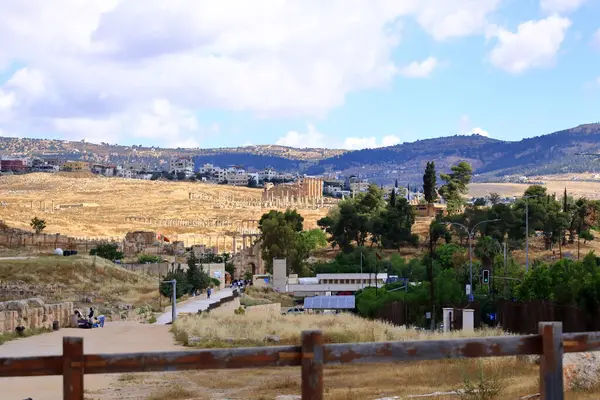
136,166
182,165
13,166
236,176
76,166
106,170
268,174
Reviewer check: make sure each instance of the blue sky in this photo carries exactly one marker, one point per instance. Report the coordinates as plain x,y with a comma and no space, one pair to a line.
303,73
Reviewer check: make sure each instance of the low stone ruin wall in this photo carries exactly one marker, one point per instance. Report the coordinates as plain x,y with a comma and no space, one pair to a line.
33,314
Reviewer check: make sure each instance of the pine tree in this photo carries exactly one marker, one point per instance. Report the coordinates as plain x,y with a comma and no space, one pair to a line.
393,198
565,202
429,183
396,184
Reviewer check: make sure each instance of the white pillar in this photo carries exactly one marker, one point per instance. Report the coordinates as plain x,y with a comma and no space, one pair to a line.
446,318
468,320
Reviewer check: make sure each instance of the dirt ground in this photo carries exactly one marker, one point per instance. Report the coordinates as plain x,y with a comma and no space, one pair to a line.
101,205
118,337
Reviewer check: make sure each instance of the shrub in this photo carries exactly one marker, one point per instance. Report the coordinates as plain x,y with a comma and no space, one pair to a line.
147,258
108,251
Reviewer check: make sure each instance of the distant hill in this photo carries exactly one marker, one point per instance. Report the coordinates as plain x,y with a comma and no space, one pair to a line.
547,154
258,157
491,159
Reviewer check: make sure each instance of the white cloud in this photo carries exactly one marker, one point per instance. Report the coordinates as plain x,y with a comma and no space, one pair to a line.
314,138
466,127
560,6
479,131
420,69
596,39
268,57
447,19
534,45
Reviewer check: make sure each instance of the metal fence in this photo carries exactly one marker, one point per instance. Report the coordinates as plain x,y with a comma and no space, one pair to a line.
311,356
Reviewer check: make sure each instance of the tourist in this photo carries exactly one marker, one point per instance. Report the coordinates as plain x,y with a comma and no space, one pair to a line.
208,292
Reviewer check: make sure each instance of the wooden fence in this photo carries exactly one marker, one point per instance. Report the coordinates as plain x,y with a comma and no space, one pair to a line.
311,356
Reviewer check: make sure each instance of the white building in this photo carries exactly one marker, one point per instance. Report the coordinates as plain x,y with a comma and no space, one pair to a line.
182,165
268,174
236,176
329,283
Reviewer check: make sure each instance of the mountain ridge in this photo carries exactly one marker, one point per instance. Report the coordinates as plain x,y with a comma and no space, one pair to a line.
491,158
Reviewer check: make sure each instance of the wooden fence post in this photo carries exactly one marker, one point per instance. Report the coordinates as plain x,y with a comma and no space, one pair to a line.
312,365
72,368
551,361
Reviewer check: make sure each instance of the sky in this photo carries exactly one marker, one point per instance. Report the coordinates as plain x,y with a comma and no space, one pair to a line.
304,73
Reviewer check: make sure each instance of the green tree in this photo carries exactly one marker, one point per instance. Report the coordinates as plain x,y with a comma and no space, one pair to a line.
166,288
456,185
393,226
280,238
486,249
38,225
148,258
392,201
196,278
494,198
354,220
429,183
108,251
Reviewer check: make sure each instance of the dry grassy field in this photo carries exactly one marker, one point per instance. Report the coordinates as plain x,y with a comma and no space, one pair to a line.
67,278
102,205
590,190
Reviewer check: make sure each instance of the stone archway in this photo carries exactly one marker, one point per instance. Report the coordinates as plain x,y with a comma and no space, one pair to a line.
251,267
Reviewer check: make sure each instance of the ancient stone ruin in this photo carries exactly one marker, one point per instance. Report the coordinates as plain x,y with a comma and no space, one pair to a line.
307,193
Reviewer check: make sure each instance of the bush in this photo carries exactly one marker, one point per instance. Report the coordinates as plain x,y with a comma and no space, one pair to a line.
215,282
108,251
147,258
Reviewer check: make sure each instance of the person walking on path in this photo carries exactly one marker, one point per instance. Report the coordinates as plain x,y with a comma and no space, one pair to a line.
208,293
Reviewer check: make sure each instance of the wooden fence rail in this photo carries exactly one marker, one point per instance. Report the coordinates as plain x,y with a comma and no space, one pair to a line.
550,344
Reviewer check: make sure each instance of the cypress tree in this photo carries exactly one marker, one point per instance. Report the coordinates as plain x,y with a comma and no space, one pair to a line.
429,183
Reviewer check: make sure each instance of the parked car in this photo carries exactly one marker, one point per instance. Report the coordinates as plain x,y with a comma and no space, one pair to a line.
294,310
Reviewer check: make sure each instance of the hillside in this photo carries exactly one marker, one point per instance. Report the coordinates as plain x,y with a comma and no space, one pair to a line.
491,159
280,157
553,153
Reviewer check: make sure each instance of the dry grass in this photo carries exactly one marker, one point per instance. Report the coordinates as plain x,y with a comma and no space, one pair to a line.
110,200
254,296
66,278
217,330
590,190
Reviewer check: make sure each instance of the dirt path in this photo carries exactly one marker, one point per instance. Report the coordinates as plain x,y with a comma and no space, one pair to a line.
117,337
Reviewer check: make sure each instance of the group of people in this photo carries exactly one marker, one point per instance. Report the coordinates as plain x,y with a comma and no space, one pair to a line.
91,321
240,283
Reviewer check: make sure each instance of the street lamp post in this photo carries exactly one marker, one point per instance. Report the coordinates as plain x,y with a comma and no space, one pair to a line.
471,233
173,300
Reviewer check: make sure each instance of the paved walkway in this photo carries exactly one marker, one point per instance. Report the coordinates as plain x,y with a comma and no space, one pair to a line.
194,305
115,337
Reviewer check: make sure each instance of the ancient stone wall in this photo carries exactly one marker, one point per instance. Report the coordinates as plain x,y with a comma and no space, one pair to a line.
33,314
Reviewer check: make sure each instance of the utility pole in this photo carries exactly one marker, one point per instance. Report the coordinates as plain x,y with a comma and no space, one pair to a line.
471,234
362,280
527,230
430,276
